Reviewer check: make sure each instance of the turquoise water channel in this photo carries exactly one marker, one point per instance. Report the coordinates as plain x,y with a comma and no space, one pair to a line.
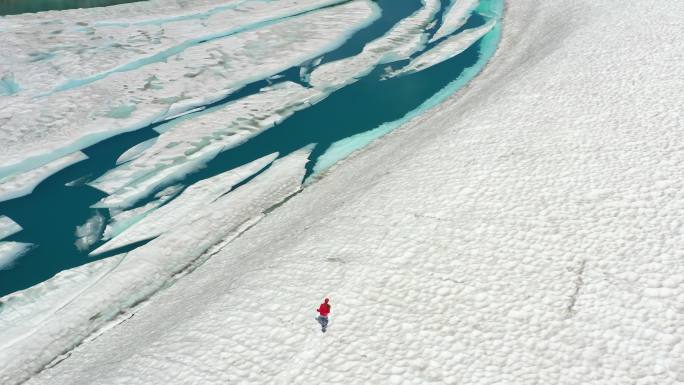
369,107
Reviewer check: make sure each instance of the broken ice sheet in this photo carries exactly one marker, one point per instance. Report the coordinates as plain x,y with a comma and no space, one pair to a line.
192,199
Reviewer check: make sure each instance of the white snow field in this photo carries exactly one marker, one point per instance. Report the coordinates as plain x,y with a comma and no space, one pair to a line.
530,230
132,75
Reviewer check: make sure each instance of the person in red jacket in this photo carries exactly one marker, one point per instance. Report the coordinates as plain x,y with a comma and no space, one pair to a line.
324,310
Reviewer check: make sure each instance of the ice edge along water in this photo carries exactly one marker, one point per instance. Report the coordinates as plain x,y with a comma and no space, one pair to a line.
17,185
404,39
127,282
8,227
10,252
456,16
445,50
488,44
188,144
165,218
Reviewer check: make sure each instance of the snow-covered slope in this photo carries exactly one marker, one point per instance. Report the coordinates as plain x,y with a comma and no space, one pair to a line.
528,232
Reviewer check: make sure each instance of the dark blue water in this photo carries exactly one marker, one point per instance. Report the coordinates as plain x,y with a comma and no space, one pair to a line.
51,213
14,7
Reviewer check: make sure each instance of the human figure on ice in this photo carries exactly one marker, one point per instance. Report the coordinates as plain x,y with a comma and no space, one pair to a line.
323,310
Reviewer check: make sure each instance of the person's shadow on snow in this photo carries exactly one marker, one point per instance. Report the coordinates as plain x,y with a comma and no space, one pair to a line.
324,323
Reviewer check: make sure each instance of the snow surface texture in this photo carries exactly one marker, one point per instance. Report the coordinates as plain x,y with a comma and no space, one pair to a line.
132,75
532,234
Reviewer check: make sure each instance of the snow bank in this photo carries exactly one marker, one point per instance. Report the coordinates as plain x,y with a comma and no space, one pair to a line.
527,232
89,297
17,185
165,83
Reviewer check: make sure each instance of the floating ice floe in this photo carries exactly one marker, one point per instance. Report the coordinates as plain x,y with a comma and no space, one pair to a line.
190,200
405,38
121,219
39,129
456,16
89,233
445,50
75,303
8,227
135,151
17,185
10,252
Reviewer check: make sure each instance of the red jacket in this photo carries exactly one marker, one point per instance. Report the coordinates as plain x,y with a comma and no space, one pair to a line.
324,309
